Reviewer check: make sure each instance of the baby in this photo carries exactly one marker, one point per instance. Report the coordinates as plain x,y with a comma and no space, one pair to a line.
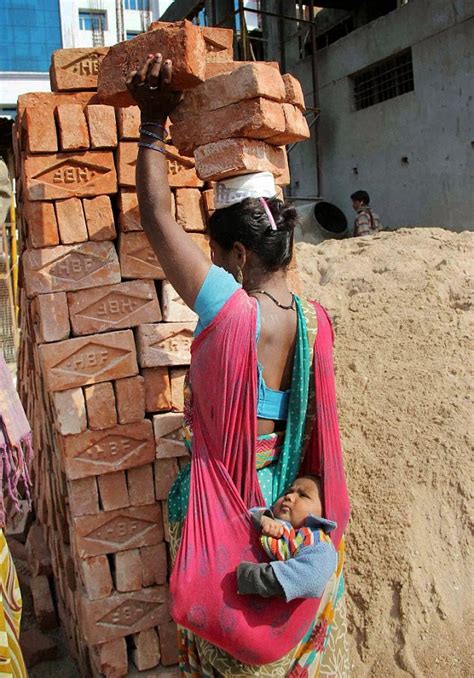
295,537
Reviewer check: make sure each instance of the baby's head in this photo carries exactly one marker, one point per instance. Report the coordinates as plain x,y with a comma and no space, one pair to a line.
301,499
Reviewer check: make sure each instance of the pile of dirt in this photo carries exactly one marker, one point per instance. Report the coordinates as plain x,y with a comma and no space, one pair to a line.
401,306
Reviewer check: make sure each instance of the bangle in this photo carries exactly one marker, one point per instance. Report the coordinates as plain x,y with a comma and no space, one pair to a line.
142,144
147,133
154,124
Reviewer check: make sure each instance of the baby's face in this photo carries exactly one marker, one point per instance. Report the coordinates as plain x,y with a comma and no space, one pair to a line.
301,499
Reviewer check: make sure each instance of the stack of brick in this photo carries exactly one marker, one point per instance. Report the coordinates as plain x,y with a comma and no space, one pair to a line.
105,338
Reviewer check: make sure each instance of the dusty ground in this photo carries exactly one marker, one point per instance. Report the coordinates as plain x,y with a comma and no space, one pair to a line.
401,307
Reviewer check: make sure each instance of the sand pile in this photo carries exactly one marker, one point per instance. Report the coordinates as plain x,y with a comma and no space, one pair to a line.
400,305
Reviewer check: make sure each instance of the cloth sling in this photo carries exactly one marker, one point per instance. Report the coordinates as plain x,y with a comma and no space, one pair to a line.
217,533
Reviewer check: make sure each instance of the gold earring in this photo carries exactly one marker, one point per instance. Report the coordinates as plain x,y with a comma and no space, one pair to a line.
240,276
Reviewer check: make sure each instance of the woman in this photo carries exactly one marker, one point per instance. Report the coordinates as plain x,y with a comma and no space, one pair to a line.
250,407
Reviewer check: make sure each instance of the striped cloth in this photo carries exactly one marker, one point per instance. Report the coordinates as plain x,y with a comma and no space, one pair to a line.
287,546
11,659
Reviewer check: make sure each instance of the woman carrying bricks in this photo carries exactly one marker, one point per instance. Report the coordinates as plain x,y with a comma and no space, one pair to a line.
260,410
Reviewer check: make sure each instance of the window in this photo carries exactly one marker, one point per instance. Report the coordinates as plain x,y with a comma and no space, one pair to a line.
133,34
386,80
90,20
143,5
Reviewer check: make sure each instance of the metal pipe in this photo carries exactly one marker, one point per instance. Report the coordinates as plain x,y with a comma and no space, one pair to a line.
243,30
281,33
314,73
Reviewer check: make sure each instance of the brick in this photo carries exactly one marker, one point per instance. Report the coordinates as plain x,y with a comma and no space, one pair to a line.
166,516
99,218
181,170
215,68
189,209
169,435
157,389
40,127
88,360
254,119
202,241
141,489
168,643
174,308
70,411
100,404
293,91
73,130
113,531
53,317
43,605
296,127
64,268
83,496
128,570
154,564
96,577
127,163
137,258
37,552
219,43
208,202
231,157
111,658
52,99
182,42
97,452
37,647
71,221
128,122
166,471
114,307
164,344
113,491
146,653
102,126
130,396
129,214
177,378
76,68
250,81
42,224
65,175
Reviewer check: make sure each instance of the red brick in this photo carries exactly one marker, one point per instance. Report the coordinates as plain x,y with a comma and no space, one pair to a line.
88,360
208,202
231,157
122,614
146,653
100,404
166,517
164,344
128,121
169,435
52,99
141,488
83,496
154,564
113,531
130,394
293,91
71,221
70,411
182,42
113,491
42,224
36,647
127,163
114,307
166,471
76,68
43,603
181,170
99,218
37,552
96,577
66,175
177,378
102,126
254,119
129,214
73,130
53,317
169,643
174,308
40,129
250,81
64,268
189,209
219,43
111,658
157,389
128,570
296,127
97,452
137,258
215,68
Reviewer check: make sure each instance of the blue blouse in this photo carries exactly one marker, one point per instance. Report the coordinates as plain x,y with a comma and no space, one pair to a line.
216,289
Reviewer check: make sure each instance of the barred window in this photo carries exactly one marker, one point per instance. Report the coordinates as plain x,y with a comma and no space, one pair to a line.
385,80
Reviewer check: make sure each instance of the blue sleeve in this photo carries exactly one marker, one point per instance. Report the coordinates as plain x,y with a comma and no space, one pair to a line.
217,288
306,575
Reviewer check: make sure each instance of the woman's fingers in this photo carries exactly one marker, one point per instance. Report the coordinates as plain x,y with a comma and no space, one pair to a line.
154,70
167,71
143,70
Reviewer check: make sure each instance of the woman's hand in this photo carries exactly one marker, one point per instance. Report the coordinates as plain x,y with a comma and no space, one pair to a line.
150,87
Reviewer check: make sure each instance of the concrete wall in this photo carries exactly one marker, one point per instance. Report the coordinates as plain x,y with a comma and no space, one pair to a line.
432,127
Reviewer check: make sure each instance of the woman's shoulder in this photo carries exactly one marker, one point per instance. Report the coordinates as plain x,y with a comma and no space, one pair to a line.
216,290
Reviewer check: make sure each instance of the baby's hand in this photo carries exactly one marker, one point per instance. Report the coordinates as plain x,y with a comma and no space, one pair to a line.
271,527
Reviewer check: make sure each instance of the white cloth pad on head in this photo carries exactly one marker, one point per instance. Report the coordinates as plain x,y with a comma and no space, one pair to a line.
235,189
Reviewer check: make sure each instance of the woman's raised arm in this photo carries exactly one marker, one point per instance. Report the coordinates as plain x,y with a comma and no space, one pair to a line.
184,263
